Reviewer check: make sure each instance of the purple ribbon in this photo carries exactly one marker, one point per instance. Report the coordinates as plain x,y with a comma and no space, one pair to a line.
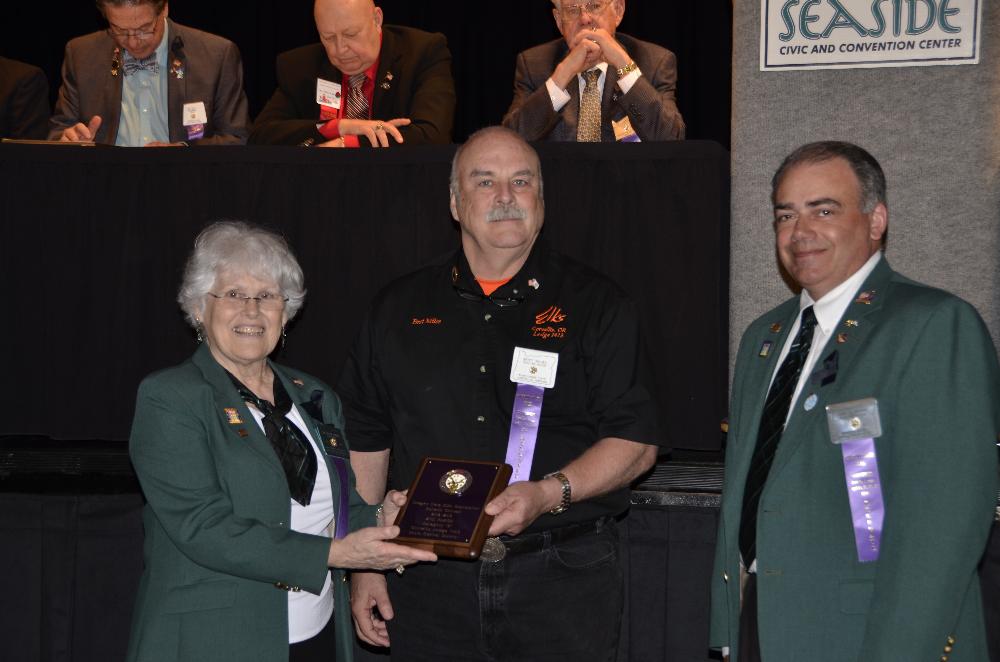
524,430
864,491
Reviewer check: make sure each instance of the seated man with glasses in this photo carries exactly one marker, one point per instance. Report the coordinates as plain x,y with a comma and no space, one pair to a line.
505,350
595,85
147,81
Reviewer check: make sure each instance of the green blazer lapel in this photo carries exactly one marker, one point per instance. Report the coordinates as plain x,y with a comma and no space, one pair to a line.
846,342
763,349
241,429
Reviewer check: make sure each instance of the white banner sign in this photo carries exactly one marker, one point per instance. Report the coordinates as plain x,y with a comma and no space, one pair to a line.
839,34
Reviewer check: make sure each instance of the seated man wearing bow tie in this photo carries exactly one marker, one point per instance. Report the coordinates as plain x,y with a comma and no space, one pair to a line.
147,81
365,84
594,85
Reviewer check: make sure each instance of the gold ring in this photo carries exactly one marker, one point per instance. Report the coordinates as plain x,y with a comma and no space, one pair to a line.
399,569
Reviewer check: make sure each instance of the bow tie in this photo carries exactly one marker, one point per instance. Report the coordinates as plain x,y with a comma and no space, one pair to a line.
149,64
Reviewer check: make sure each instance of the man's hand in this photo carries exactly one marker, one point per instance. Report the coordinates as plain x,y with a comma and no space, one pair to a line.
522,503
585,54
82,133
610,50
377,131
368,591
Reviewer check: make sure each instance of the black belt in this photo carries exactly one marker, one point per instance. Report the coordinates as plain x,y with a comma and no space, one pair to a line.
533,542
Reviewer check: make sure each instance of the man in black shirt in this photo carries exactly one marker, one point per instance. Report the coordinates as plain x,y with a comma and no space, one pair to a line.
439,369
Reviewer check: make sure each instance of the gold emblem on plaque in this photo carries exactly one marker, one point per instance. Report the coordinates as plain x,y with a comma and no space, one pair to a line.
455,481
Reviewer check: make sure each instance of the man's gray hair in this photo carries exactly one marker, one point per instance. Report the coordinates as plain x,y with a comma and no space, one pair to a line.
454,185
866,168
238,247
158,5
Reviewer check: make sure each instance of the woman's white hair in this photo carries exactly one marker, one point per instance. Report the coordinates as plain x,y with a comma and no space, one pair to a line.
238,247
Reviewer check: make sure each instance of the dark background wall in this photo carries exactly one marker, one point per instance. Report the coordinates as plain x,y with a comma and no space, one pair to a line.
484,38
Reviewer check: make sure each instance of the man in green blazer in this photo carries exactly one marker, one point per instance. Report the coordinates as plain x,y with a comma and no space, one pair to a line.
861,473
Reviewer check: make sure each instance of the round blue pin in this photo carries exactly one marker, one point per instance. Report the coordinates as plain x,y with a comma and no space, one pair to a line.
811,402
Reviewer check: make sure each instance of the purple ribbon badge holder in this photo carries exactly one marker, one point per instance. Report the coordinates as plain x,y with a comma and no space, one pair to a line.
854,426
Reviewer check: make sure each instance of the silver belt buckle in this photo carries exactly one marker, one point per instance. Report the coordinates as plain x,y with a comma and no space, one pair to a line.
493,550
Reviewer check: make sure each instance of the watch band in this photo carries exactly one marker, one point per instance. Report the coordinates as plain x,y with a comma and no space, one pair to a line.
567,492
627,69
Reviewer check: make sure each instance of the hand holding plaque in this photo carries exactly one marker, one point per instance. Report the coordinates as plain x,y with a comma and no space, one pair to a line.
444,513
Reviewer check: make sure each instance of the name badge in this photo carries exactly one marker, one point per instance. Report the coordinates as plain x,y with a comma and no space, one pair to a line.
854,420
328,93
624,133
194,113
535,367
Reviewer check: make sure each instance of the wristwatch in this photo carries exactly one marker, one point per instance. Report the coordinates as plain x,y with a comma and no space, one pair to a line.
627,69
567,492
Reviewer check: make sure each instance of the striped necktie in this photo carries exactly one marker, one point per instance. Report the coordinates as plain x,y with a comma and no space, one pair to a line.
357,103
772,424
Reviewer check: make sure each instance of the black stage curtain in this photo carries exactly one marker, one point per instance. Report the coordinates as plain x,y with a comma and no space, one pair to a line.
484,37
94,241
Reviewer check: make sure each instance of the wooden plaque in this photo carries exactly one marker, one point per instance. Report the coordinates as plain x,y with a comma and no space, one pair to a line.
444,508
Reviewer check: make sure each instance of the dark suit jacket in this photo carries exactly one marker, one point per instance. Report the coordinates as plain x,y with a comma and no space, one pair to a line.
649,104
413,80
24,101
213,74
928,359
217,521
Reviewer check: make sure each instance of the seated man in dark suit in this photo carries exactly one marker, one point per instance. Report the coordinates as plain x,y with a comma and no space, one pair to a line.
594,85
365,84
24,101
147,82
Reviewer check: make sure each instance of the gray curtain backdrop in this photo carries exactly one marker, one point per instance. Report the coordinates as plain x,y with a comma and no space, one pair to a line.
936,132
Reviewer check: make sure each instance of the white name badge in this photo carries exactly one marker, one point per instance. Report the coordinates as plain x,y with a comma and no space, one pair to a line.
327,93
194,113
535,367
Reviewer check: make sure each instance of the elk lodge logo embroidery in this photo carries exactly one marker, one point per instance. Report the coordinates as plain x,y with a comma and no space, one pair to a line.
547,324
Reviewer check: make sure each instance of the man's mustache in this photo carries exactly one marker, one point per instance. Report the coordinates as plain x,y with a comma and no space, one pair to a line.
506,213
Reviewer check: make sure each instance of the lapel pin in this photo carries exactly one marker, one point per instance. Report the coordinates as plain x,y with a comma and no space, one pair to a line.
765,349
841,338
116,61
866,297
233,416
298,382
776,327
811,402
243,433
851,323
533,283
177,68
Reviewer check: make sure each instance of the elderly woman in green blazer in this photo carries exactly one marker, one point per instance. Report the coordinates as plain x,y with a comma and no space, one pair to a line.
244,465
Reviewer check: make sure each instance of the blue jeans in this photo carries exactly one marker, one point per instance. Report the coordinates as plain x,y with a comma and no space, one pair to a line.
547,599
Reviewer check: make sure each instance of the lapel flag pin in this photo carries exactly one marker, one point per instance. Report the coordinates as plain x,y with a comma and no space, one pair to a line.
841,338
533,283
865,297
243,433
298,382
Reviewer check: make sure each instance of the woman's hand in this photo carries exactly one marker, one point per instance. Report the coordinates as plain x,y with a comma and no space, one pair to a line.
370,549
